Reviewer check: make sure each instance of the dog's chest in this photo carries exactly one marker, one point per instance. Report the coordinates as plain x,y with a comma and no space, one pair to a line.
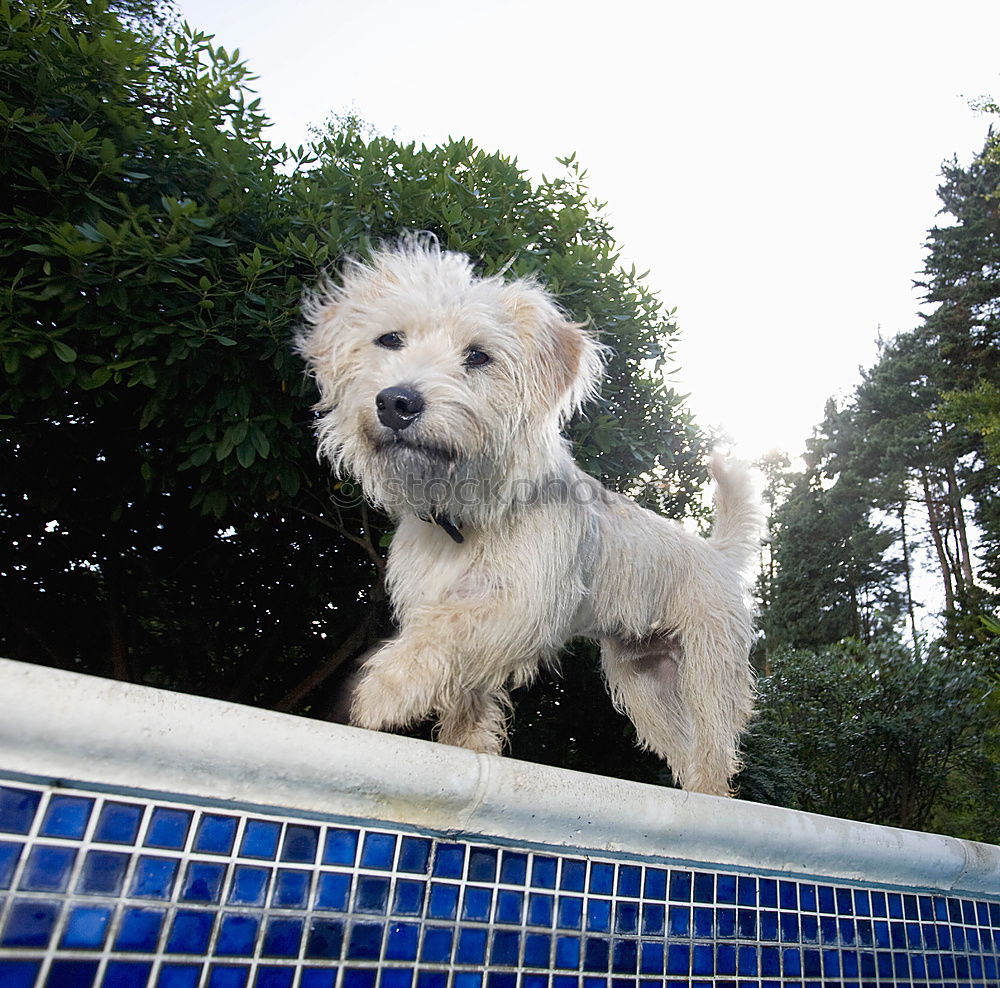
426,568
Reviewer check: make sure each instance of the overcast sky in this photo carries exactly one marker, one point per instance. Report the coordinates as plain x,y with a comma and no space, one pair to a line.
772,165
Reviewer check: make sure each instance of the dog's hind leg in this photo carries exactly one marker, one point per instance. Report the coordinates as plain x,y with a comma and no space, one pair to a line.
646,679
476,719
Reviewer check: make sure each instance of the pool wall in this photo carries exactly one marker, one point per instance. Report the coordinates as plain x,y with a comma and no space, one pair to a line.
152,838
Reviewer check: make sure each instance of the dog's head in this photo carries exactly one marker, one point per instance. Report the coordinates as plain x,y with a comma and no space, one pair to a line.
431,377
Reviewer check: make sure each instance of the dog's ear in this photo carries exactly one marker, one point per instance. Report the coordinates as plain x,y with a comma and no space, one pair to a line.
570,361
319,341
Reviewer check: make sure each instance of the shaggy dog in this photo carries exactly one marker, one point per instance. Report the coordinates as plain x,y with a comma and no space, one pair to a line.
445,393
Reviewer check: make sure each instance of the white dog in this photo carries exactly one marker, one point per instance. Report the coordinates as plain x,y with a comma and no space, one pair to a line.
445,394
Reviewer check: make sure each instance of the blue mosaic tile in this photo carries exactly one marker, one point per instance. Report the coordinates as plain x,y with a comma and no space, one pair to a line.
181,896
17,809
66,816
216,834
168,828
118,823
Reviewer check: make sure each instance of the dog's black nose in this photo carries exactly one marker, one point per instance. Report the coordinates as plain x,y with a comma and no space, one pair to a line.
398,408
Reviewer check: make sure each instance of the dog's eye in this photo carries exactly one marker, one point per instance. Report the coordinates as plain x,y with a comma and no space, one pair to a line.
391,341
476,358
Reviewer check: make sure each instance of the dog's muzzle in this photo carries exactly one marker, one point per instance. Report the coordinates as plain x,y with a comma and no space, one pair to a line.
398,408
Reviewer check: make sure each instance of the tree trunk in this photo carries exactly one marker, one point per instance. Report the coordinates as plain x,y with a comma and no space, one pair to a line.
935,527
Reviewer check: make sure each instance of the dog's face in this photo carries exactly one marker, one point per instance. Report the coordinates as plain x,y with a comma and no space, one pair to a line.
431,377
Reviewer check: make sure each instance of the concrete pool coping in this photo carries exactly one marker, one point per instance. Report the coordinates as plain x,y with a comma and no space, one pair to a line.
64,728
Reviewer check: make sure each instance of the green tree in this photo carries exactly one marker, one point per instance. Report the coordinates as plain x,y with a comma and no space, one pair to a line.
874,733
164,515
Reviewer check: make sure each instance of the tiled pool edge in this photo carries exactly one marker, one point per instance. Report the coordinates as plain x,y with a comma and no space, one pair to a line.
153,840
63,728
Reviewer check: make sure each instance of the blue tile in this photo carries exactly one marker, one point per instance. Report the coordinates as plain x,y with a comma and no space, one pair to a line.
725,923
401,942
378,851
513,868
506,948
103,873
827,902
119,823
704,922
340,846
746,924
443,902
317,977
746,890
249,886
179,976
395,977
47,869
725,960
203,882
154,877
540,909
569,913
567,953
502,979
767,893
627,918
746,962
680,886
678,958
543,872
414,855
237,935
653,919
358,978
537,950
596,954
300,844
17,809
66,816
510,906
573,875
139,930
10,854
29,923
71,974
629,881
680,921
652,957
274,977
291,890
725,889
599,915
282,937
704,887
86,928
190,932
655,884
18,974
325,939
471,947
332,891
449,861
482,864
372,895
216,834
467,979
228,976
409,897
436,948
477,904
127,974
365,941
260,840
168,828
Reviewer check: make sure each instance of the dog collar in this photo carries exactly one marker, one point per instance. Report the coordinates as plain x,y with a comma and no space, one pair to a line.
449,526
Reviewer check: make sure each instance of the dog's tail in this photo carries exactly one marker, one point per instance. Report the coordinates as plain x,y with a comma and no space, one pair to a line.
739,513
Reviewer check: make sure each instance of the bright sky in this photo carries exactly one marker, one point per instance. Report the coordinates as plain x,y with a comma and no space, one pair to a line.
773,165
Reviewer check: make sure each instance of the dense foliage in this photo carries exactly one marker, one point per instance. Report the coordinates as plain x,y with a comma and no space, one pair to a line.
165,518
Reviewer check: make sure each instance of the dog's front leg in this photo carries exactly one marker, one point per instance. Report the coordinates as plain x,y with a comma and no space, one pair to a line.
453,661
